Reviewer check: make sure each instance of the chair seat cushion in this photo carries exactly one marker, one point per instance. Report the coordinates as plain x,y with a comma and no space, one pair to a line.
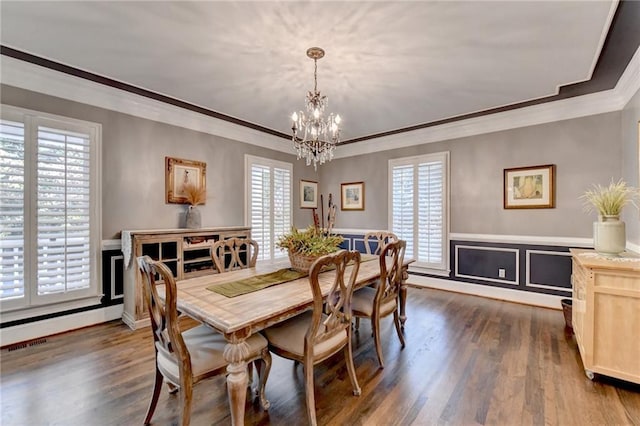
289,337
206,347
362,303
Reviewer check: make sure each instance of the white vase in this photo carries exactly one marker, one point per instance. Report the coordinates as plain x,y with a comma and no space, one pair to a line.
193,219
609,235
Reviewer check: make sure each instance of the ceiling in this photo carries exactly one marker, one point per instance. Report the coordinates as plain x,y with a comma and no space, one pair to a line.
389,66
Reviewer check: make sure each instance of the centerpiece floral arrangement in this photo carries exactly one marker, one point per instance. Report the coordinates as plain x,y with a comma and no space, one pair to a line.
306,246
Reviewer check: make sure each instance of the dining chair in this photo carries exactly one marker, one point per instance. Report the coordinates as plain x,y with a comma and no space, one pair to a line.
383,300
315,335
243,251
375,241
184,358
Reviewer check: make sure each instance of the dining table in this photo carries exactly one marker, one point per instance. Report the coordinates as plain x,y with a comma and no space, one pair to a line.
240,316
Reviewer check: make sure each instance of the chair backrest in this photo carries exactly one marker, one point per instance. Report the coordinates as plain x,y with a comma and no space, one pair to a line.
375,241
331,330
391,260
243,253
164,314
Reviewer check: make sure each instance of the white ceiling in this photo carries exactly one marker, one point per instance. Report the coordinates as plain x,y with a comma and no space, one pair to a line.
388,65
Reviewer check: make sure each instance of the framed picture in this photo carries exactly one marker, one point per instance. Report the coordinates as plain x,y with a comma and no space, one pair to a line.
178,173
308,194
530,187
352,196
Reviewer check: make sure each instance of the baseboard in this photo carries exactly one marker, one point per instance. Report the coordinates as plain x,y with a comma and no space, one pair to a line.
38,329
507,294
133,324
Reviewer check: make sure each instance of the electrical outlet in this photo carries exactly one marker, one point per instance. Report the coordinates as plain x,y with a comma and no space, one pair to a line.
501,273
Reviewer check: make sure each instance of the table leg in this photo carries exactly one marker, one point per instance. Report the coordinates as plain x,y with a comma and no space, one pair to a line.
236,353
403,298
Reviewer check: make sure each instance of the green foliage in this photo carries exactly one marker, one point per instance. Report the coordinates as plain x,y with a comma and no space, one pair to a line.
310,242
609,200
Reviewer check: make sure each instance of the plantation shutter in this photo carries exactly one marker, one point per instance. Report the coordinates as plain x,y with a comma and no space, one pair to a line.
269,203
281,207
418,210
12,214
63,211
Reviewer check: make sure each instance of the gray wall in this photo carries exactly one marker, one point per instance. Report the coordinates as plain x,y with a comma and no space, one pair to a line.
585,151
631,147
133,152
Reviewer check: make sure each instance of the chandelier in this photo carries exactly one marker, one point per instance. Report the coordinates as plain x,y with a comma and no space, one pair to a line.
319,134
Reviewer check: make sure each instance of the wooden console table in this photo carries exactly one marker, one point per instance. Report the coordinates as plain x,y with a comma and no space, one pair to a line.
606,313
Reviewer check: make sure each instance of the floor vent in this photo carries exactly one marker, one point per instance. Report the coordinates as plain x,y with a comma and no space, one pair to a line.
26,344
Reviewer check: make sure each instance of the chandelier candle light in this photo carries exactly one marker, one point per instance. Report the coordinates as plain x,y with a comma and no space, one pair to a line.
320,135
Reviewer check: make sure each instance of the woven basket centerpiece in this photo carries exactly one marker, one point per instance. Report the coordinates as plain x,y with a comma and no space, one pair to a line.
301,262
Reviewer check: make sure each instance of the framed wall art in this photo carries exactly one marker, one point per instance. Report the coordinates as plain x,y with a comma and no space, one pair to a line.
180,173
308,194
529,187
352,196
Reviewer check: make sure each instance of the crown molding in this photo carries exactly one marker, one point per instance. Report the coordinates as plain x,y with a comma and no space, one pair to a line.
54,83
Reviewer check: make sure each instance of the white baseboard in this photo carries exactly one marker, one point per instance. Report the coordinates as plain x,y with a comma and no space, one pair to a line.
510,295
38,329
133,324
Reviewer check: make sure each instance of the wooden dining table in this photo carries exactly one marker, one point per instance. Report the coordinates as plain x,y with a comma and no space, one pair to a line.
241,316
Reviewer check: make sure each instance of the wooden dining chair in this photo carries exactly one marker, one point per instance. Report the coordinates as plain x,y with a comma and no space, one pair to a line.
383,300
375,241
243,253
314,336
184,358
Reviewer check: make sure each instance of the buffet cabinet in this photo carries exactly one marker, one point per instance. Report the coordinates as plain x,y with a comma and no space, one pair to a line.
186,253
606,313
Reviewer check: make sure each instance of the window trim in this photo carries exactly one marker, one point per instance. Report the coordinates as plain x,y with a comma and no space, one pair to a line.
33,303
444,269
249,160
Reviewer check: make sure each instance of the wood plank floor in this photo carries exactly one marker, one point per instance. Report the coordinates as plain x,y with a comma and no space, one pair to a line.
468,360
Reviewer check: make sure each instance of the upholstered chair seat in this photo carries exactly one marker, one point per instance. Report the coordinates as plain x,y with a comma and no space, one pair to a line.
364,303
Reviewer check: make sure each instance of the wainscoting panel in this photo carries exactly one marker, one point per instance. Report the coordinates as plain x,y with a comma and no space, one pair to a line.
542,265
485,263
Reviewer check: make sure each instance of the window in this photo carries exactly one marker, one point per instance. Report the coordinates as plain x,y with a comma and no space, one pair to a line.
49,209
268,202
419,208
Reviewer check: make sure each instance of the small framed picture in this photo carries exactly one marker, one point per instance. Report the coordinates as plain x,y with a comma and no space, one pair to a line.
308,194
180,173
529,187
352,196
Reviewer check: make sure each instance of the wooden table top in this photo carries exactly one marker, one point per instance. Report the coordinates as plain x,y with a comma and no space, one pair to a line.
259,309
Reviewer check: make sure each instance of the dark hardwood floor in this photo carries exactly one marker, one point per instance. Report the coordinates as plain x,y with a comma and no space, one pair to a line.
468,360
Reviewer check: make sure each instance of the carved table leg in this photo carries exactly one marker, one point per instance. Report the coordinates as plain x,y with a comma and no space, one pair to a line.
235,353
403,297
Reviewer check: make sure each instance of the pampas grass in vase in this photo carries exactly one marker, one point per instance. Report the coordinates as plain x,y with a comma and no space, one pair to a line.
194,196
609,234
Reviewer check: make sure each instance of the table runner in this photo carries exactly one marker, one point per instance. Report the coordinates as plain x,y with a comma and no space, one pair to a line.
258,282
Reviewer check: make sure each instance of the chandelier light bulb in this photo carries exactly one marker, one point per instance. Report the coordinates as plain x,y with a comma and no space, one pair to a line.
318,135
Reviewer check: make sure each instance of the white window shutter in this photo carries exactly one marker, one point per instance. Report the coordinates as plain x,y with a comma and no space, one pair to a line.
269,202
419,208
12,214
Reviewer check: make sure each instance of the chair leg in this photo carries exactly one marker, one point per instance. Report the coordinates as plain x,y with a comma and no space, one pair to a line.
310,397
263,366
250,375
348,354
186,393
375,324
157,386
357,323
396,320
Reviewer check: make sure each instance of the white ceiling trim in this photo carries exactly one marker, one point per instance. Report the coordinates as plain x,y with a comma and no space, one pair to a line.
43,80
